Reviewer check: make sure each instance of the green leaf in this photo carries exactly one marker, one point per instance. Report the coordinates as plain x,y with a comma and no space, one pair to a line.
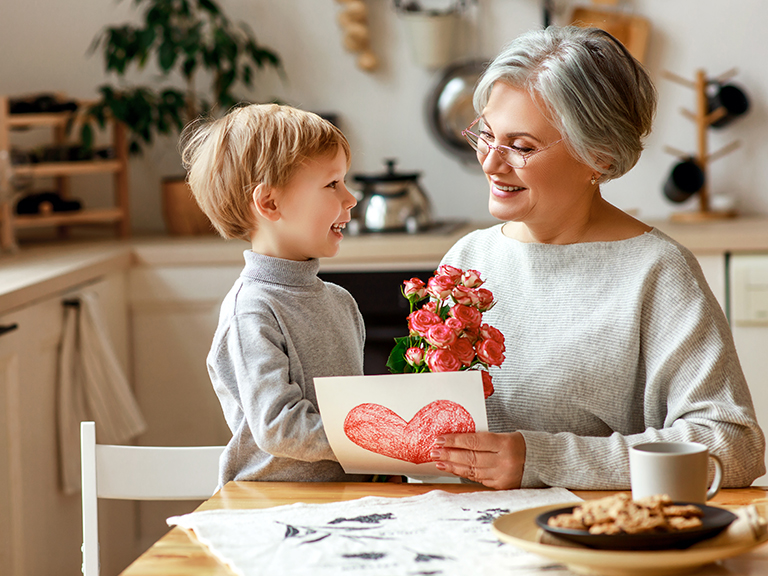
86,135
209,6
396,362
166,56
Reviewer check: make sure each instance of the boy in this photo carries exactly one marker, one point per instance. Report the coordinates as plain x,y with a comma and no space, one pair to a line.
274,175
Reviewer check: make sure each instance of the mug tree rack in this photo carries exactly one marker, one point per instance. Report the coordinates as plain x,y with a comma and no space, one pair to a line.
61,171
703,118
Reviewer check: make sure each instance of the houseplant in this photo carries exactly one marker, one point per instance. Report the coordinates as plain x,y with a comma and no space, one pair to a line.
194,44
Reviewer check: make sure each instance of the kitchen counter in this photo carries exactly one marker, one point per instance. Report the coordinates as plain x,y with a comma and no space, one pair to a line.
43,270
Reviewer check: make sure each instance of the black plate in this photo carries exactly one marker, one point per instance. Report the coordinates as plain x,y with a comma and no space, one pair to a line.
714,521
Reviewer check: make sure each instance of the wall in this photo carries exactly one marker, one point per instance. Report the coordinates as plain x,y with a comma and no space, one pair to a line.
45,44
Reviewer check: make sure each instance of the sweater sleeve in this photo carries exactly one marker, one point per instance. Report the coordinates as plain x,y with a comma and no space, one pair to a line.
694,390
254,367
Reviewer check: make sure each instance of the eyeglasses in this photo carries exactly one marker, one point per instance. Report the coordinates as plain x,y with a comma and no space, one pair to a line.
512,156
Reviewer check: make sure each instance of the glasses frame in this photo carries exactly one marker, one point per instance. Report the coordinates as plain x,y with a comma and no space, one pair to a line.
501,150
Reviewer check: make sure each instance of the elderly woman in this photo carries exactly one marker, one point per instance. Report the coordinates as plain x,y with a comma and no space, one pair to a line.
613,336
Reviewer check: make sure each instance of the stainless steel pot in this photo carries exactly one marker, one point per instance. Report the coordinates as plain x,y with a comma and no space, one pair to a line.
392,201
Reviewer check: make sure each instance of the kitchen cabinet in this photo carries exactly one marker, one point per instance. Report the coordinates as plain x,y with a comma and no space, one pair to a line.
748,287
60,169
40,531
174,313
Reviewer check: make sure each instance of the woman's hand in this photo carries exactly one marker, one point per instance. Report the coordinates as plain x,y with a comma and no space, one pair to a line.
494,460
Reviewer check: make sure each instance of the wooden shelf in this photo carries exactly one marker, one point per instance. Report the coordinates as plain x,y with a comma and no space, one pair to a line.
117,216
47,169
24,121
92,216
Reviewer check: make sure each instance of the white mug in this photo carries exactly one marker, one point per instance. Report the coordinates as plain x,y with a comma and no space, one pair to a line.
678,469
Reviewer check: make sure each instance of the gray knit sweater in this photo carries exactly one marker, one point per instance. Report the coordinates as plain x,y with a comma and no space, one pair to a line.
610,344
279,327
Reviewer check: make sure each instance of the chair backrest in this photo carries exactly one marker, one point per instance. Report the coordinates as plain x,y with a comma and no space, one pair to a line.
139,473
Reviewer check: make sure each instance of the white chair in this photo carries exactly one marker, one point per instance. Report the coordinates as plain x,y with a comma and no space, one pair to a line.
138,473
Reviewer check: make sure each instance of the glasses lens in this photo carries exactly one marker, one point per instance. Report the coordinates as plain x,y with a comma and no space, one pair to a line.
476,142
508,155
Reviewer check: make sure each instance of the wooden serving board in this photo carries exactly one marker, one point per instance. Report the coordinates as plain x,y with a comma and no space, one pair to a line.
631,30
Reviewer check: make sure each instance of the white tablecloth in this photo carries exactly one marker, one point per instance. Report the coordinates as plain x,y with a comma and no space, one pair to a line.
434,533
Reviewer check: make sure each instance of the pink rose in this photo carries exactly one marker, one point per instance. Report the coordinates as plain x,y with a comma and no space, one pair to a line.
487,384
488,332
465,296
440,287
430,306
485,300
414,289
471,317
451,271
440,336
455,324
490,352
471,279
420,321
414,356
464,351
441,360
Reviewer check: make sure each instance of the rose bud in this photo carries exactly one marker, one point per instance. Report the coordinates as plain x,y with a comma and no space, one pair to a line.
440,360
430,306
464,351
451,271
440,287
440,336
490,352
485,300
420,321
414,356
455,324
487,384
465,296
414,289
471,279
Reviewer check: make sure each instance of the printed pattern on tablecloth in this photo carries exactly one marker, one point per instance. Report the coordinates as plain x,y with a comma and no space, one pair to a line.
435,533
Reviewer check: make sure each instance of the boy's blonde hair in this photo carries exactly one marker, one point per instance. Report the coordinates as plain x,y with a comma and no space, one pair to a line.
226,159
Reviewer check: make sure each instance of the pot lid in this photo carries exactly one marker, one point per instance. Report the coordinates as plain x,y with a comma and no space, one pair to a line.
389,176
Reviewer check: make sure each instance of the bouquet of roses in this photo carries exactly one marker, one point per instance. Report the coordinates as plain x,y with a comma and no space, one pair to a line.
447,333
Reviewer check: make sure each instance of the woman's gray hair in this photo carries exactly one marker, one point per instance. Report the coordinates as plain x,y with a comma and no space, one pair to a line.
600,98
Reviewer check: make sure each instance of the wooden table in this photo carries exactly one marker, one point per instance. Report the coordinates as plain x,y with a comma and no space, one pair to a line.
178,553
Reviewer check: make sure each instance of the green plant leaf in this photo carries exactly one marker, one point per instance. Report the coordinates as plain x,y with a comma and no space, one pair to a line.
166,56
396,362
86,135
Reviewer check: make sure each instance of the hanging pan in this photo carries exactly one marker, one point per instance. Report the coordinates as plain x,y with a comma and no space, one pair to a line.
449,107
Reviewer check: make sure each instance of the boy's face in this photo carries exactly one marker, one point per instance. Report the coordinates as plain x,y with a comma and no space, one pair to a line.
314,208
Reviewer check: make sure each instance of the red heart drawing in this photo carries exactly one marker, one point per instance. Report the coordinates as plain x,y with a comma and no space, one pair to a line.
378,429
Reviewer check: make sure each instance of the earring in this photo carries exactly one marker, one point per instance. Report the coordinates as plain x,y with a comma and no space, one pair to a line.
593,180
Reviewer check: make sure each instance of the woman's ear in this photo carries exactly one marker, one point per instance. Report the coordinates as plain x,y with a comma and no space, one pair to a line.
265,202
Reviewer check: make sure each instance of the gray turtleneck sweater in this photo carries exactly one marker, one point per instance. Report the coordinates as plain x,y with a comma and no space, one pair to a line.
280,326
610,344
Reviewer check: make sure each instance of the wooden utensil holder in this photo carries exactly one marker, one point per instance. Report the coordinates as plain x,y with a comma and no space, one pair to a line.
703,118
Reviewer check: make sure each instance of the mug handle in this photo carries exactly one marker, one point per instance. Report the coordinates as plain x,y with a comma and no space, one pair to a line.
717,480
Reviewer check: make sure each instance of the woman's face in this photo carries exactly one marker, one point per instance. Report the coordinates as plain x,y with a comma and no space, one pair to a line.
553,188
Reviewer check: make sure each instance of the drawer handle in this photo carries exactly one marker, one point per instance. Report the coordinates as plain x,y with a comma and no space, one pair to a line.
8,328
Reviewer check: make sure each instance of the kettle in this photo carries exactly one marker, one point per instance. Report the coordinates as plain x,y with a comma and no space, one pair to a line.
392,201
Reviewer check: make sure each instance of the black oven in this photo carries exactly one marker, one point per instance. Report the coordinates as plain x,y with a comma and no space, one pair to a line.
383,307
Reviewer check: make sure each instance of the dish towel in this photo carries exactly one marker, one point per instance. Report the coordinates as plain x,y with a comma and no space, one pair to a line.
92,386
433,533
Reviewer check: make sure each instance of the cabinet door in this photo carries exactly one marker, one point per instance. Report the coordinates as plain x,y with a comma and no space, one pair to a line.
40,526
11,537
174,313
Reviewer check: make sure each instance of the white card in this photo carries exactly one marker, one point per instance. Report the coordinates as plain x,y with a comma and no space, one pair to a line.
386,424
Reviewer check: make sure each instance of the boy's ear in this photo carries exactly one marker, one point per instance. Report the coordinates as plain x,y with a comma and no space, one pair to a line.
265,202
